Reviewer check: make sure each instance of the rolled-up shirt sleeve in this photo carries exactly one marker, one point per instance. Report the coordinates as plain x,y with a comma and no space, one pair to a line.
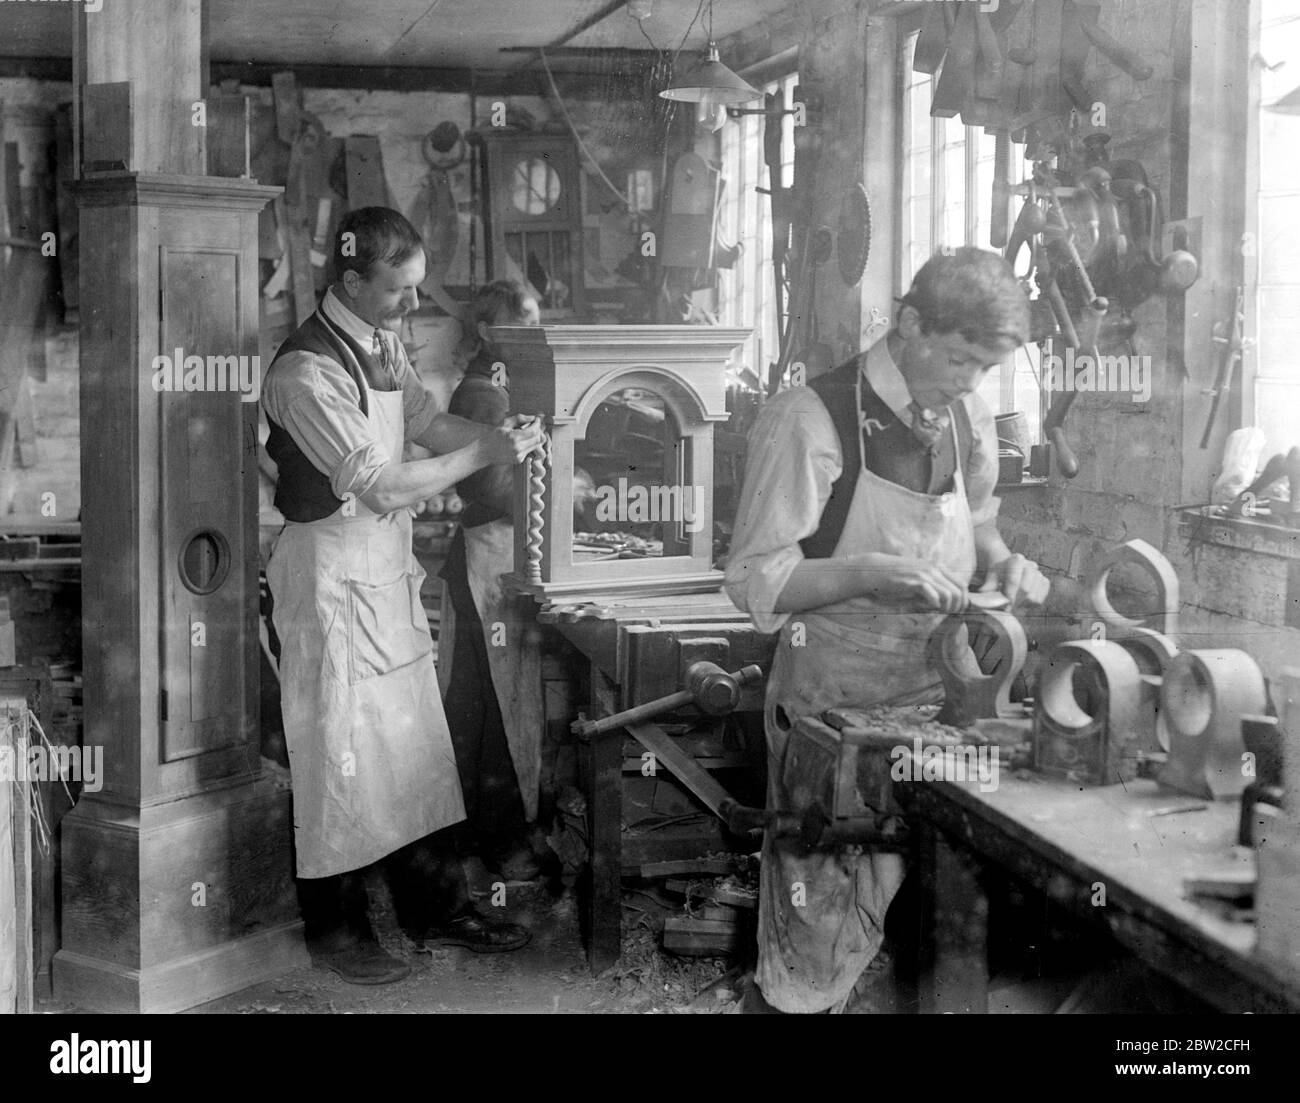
317,403
793,460
983,466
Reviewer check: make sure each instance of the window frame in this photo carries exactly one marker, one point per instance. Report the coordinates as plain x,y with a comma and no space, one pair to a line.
1245,405
908,27
779,74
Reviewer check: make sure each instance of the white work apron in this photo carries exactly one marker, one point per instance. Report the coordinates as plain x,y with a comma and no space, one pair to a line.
369,749
822,914
513,650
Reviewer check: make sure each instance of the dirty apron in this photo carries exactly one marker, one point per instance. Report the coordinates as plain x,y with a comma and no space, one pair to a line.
514,654
857,653
369,749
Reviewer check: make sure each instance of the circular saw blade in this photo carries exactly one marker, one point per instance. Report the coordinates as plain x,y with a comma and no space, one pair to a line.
853,237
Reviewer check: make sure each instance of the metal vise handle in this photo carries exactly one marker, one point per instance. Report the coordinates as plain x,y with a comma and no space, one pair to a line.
708,686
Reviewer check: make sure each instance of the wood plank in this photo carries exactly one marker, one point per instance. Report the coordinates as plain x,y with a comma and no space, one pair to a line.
10,908
155,45
684,867
13,193
364,163
713,893
681,765
601,892
700,937
106,127
27,449
284,90
66,212
16,867
26,273
298,232
228,135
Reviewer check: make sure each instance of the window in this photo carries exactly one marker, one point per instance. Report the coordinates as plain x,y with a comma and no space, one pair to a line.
747,293
1272,395
947,201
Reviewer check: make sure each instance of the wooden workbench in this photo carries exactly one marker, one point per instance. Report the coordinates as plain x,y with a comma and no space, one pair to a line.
1066,841
638,649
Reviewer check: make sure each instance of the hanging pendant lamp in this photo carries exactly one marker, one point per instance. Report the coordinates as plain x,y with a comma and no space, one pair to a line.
710,82
1287,105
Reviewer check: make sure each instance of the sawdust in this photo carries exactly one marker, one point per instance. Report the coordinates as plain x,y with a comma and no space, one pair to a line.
907,723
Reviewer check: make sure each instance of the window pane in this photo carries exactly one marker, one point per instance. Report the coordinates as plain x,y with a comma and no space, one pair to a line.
1277,316
747,291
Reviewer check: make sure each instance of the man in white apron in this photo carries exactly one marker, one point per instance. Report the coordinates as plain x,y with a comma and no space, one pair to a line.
374,775
867,509
489,654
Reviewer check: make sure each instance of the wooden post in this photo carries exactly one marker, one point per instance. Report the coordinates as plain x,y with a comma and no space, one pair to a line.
154,45
602,772
177,873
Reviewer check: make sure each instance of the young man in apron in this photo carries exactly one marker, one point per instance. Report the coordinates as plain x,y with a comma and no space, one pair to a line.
489,659
867,509
374,774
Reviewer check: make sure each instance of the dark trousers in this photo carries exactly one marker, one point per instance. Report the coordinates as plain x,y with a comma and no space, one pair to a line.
494,807
425,878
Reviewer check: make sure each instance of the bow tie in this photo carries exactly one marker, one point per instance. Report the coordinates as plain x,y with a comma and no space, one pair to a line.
927,425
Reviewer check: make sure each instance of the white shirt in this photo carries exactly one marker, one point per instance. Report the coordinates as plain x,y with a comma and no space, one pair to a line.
318,404
794,460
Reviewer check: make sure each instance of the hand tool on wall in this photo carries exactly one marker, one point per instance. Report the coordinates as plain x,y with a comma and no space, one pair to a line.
815,250
998,216
1230,338
1067,462
1030,222
1129,60
1019,68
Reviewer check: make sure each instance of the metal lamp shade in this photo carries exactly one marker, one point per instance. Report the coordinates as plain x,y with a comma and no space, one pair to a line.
1287,105
712,83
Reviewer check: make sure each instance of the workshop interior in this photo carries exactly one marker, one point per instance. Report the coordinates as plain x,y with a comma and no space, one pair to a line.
1085,799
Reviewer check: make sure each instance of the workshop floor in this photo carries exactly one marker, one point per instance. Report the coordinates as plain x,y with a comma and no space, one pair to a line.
548,976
